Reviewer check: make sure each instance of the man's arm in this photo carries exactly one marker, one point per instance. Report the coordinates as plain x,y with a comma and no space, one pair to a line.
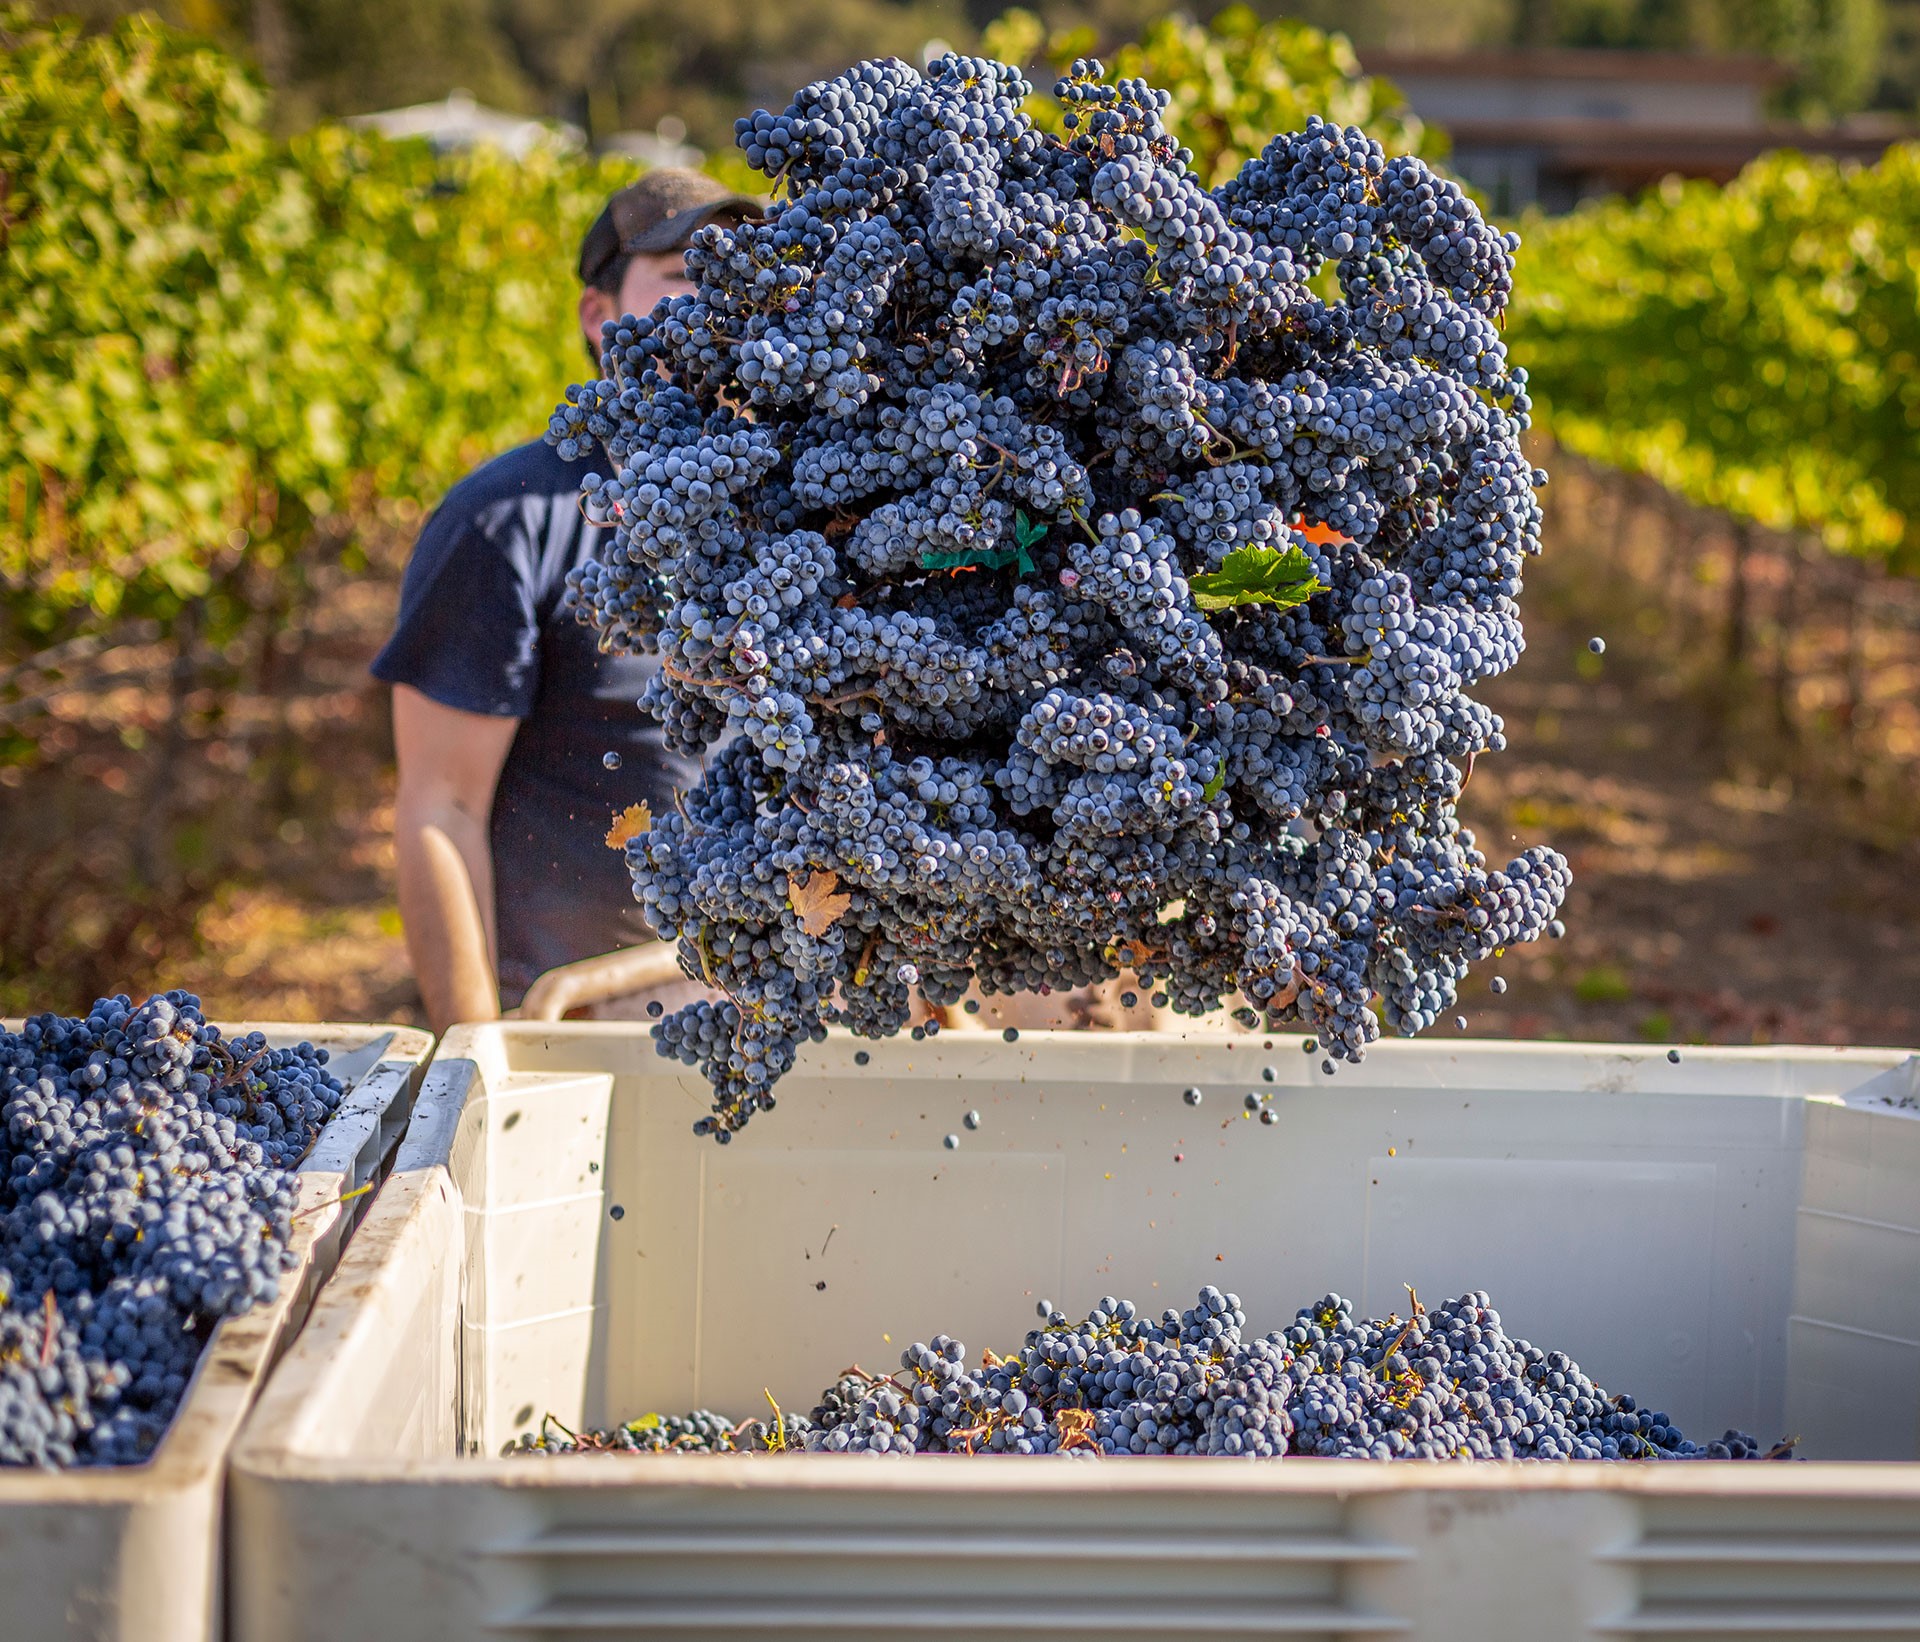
450,762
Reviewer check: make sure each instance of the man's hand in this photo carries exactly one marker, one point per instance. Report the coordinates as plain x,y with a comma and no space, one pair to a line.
450,762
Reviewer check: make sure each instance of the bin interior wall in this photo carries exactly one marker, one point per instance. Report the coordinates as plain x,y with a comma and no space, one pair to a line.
1645,1217
1853,1336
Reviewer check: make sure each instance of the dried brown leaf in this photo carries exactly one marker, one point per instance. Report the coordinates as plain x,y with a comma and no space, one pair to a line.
817,900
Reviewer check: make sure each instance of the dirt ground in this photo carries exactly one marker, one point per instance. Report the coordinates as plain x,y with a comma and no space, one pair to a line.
1709,904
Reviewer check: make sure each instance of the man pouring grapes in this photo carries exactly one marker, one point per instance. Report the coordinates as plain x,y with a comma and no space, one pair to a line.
516,737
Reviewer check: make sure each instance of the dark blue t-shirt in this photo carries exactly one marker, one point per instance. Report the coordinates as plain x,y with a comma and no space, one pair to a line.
484,627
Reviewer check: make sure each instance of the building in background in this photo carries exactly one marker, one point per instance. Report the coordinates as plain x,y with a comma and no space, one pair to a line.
665,145
1554,127
459,123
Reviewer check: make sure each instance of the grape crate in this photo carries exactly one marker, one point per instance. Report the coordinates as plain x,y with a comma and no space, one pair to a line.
146,1192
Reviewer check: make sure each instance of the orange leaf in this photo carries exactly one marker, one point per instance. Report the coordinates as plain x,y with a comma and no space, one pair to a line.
1321,535
815,902
629,823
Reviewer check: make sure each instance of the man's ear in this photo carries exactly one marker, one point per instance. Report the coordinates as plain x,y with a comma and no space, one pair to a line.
596,308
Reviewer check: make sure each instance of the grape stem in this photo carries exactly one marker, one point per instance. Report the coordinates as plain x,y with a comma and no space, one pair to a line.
862,694
730,682
332,1202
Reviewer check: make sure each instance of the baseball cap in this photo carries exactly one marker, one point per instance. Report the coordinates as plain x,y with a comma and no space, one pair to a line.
660,212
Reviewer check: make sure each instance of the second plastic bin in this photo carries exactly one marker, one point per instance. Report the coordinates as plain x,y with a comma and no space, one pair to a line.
131,1553
1733,1239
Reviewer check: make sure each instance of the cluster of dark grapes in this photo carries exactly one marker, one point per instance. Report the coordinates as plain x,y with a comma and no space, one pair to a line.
146,1192
954,500
701,1432
1445,1383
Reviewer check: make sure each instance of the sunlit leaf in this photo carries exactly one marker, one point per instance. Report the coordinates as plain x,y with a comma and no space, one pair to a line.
1257,575
629,824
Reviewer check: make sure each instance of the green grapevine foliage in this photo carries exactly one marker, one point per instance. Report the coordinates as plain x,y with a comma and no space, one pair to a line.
216,345
1755,348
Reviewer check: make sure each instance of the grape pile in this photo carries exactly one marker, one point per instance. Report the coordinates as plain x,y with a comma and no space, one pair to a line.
701,1432
1446,1383
146,1192
1061,584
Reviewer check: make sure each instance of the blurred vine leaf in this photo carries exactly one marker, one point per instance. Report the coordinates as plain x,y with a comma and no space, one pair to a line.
1235,82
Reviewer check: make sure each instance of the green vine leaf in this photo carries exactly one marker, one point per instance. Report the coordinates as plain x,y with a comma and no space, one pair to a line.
1257,575
1216,784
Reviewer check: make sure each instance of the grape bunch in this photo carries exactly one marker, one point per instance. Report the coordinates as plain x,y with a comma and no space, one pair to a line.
701,1432
1068,570
146,1192
1446,1383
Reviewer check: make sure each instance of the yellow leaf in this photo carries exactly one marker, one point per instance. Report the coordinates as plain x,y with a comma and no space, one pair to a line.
815,902
629,823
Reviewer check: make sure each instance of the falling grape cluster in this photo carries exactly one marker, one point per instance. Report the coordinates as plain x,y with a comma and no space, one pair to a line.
1070,570
146,1192
1445,1383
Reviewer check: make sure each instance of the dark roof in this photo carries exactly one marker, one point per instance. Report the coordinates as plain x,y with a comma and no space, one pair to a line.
1674,67
1686,149
1584,137
1626,159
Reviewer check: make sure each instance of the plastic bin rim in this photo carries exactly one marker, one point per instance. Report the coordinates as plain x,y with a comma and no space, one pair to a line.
1148,1476
1211,1036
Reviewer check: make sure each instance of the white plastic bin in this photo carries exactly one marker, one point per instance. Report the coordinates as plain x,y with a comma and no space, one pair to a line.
1735,1238
131,1553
